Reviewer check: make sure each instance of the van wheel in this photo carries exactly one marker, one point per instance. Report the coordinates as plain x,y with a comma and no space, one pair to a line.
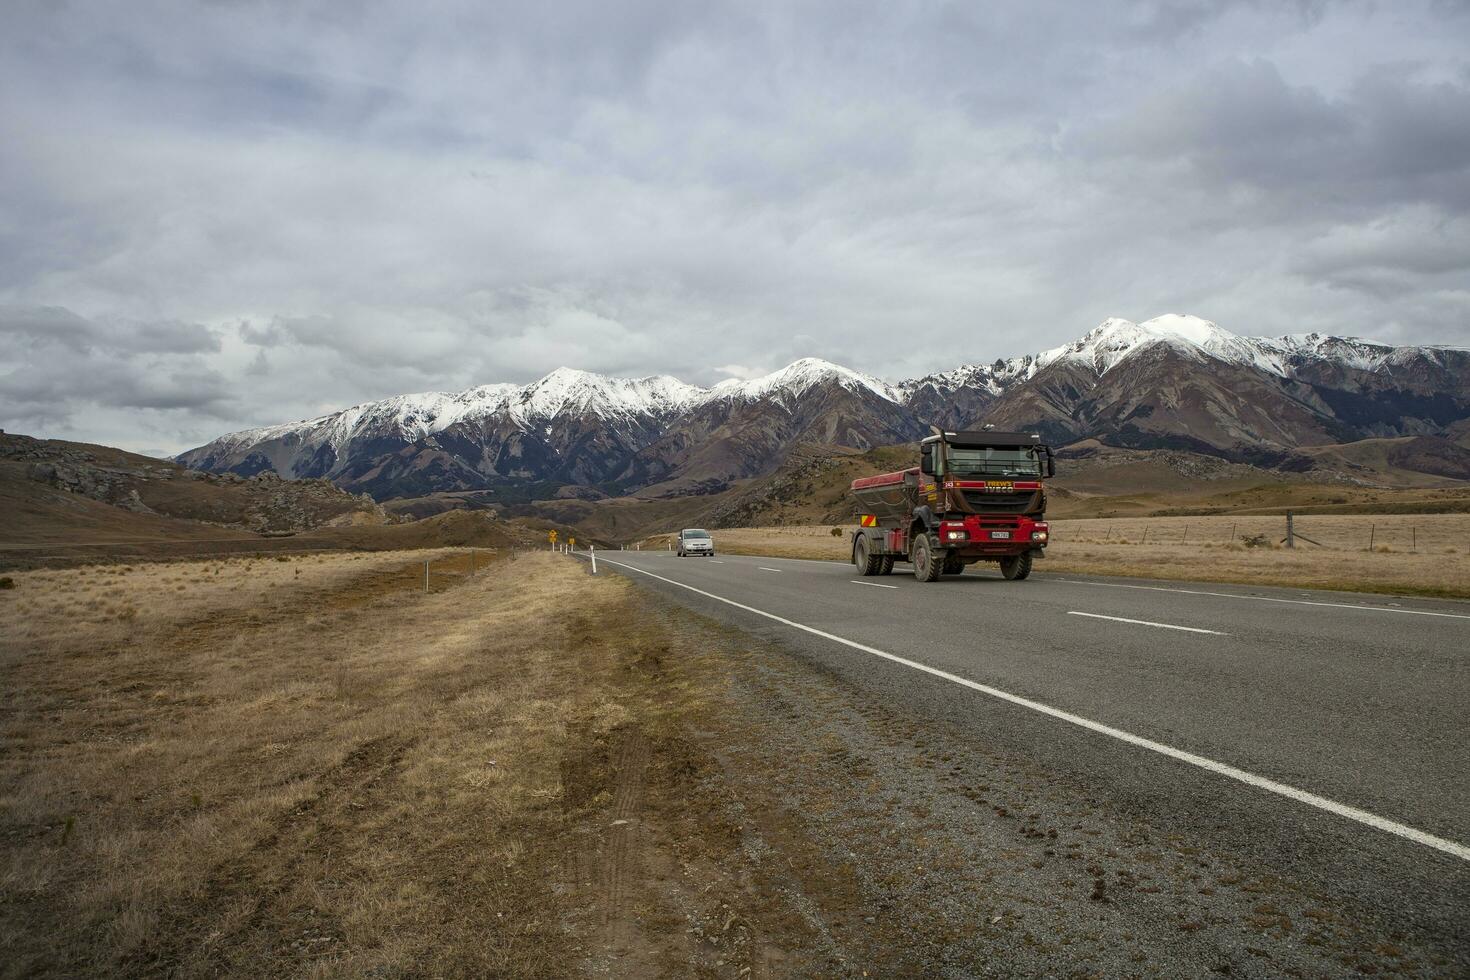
927,565
1016,567
862,556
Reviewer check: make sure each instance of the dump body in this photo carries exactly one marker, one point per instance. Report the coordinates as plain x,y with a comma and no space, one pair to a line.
976,496
891,497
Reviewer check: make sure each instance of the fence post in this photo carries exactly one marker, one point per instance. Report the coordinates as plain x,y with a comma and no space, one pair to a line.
1290,531
1413,539
1145,534
472,561
1372,529
1109,534
1185,539
1232,534
426,578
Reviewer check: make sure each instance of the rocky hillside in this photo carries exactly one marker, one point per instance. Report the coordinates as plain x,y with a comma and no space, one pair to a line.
263,503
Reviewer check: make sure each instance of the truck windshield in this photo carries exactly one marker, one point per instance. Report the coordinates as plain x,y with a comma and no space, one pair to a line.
992,461
696,534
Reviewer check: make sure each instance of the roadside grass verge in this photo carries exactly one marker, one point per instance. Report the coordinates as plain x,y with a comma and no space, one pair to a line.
1440,568
310,767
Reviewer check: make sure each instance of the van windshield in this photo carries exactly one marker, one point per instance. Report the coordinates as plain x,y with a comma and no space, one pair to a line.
993,461
696,534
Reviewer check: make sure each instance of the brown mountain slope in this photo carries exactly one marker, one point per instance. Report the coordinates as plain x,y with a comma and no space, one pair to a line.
52,477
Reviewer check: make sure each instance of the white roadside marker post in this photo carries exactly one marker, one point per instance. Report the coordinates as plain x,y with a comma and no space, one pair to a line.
426,578
592,551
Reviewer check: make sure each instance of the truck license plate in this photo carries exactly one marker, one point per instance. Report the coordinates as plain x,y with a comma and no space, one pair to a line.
1001,535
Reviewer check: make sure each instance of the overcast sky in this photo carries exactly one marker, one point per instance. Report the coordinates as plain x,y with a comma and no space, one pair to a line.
222,214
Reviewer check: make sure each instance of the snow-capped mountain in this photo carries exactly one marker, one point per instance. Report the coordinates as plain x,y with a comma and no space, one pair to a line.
1174,380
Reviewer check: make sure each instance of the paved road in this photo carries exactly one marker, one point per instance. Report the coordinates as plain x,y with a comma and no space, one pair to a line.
1325,734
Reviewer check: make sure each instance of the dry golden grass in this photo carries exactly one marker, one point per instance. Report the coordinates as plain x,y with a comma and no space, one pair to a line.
304,767
1210,549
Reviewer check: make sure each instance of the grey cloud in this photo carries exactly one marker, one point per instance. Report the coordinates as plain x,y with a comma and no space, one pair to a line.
59,364
259,211
57,326
1392,139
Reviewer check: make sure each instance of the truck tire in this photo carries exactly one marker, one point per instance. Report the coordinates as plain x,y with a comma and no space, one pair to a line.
862,556
887,566
954,565
927,564
1016,567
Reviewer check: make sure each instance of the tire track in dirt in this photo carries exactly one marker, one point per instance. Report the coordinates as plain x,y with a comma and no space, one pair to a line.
260,878
630,757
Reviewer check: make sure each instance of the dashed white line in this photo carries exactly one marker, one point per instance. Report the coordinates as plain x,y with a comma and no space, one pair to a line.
876,585
1145,622
1267,598
714,561
1353,813
765,569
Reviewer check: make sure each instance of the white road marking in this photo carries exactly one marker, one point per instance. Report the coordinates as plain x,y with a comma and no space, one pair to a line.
1266,598
1363,817
1145,622
714,561
876,585
765,569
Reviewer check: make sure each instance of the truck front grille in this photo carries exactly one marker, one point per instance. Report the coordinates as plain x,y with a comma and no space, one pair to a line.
1001,503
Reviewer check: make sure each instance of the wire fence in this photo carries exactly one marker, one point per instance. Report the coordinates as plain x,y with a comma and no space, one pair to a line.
1416,533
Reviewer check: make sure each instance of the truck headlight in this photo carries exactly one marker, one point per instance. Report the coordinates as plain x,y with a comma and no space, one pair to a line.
1038,535
956,535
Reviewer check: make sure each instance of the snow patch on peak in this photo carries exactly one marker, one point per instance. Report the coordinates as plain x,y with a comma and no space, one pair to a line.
571,390
801,376
1115,339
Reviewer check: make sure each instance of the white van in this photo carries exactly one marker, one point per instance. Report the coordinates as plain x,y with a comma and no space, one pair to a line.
695,541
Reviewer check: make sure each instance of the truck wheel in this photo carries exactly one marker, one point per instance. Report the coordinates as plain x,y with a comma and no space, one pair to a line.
862,556
954,565
887,567
1016,567
927,565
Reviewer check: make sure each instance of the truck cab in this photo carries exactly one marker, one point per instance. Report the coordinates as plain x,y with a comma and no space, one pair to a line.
975,496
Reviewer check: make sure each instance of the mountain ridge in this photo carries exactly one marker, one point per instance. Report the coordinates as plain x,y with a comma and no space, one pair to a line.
1174,380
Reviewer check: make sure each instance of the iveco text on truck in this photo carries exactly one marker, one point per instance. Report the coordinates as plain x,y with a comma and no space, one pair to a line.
975,496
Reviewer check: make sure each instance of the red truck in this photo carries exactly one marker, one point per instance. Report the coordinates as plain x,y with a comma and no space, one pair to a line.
975,496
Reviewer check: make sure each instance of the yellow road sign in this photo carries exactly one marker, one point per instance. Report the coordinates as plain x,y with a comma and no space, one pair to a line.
572,542
552,536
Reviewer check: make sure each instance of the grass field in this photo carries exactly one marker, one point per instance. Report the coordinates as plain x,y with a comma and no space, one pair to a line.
308,766
1422,554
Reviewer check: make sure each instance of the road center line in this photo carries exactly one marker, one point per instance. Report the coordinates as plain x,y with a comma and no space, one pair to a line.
1363,817
1265,598
765,569
1145,622
714,561
876,585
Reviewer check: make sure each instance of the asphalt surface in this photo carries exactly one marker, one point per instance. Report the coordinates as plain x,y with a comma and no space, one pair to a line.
1321,734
